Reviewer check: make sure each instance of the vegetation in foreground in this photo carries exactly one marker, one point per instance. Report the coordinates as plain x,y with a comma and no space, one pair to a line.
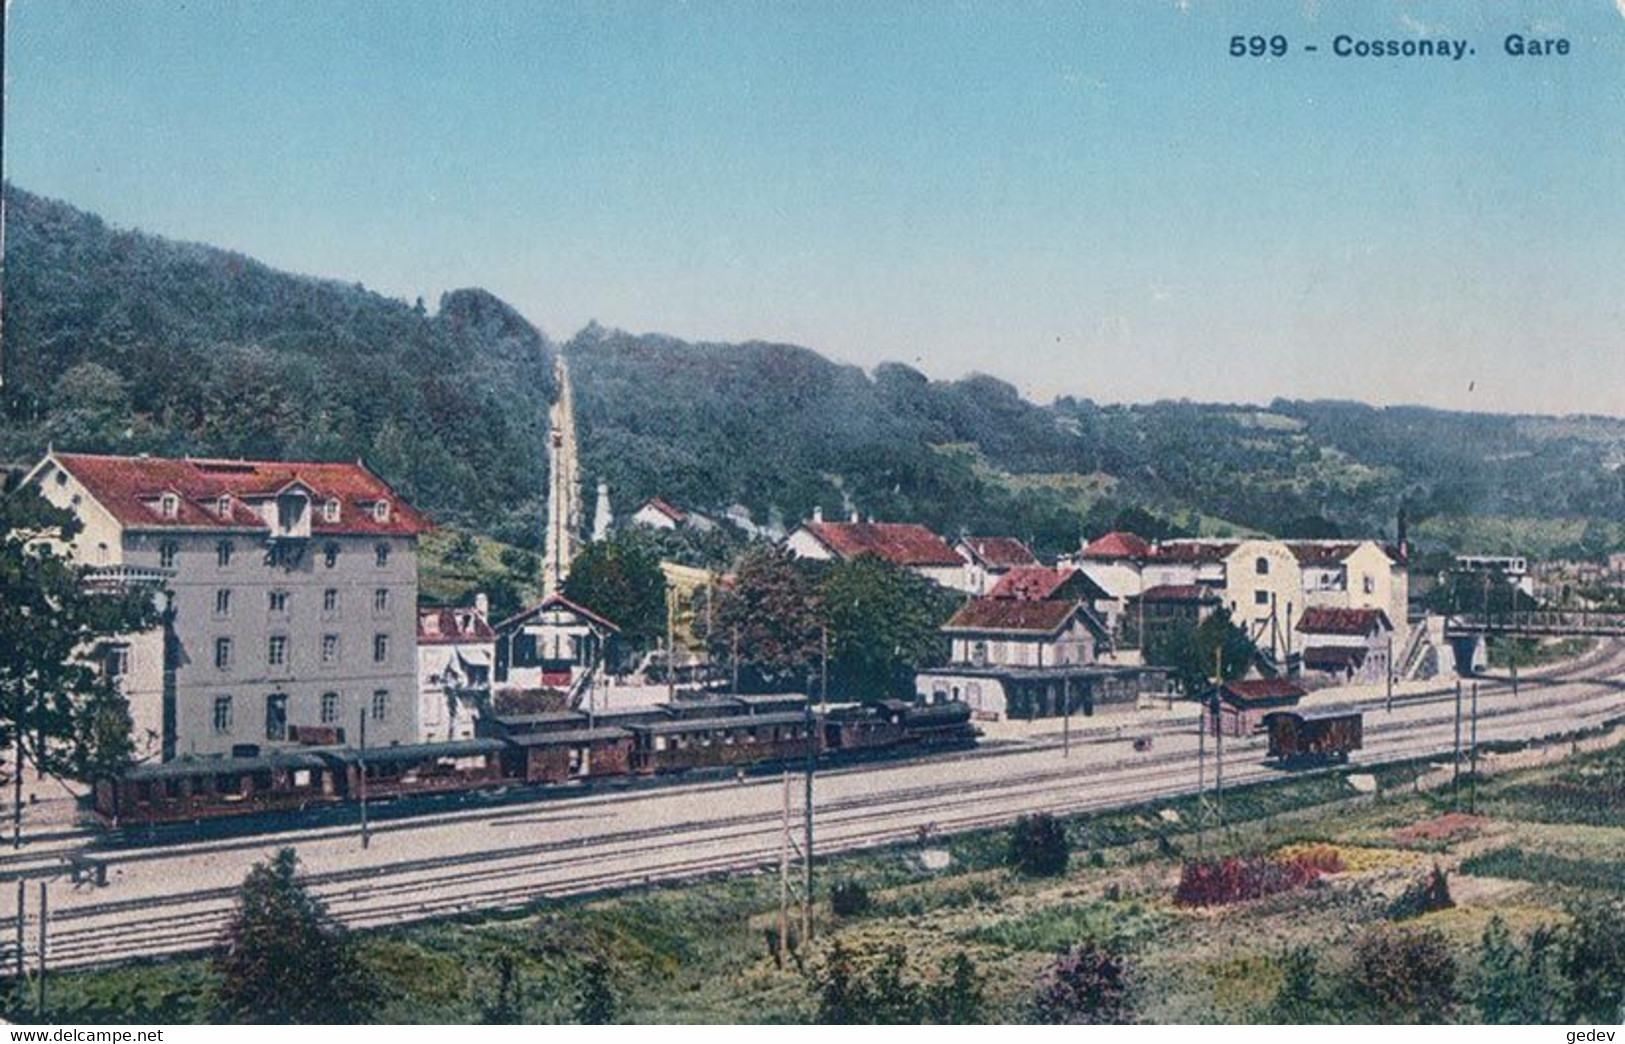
1313,905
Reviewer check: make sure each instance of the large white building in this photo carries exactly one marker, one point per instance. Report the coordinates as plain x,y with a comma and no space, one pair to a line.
909,546
291,604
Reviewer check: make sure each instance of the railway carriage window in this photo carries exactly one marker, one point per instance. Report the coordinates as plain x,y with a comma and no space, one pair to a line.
222,714
301,777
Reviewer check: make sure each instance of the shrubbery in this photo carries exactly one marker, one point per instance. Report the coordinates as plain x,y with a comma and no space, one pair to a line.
1422,896
849,899
869,988
1219,882
1039,846
1403,975
1087,983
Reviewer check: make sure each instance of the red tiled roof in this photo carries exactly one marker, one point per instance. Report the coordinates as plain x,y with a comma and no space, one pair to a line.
1361,622
1333,658
675,514
1192,551
1320,554
131,488
444,625
1263,691
899,543
1117,544
1000,552
1006,614
556,601
1037,583
1179,593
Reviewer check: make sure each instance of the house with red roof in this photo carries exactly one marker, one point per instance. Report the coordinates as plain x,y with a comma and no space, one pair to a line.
554,644
292,589
1239,707
1346,646
456,656
656,513
913,547
987,559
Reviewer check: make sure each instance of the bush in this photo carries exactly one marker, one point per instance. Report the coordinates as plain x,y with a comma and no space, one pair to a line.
875,989
1039,846
1219,882
1404,975
1086,984
1296,1002
1518,985
1593,961
1422,896
849,899
596,1002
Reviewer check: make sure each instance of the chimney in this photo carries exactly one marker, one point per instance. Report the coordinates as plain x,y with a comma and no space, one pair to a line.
482,604
818,514
853,517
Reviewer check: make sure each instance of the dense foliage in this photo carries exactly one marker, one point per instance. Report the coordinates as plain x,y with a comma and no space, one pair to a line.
1039,846
1086,984
885,623
283,960
72,719
1235,879
1427,894
620,580
1403,975
119,341
856,987
769,613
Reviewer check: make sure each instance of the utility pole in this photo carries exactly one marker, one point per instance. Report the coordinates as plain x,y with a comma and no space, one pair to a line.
1066,717
784,877
1513,656
22,921
823,664
734,661
366,831
1218,772
1455,760
1390,672
17,774
1472,782
1201,773
807,882
671,644
44,920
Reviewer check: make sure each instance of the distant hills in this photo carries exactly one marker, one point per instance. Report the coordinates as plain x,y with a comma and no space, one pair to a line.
123,341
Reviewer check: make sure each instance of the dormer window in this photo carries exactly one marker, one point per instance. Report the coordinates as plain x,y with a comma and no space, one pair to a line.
223,505
380,511
169,505
330,510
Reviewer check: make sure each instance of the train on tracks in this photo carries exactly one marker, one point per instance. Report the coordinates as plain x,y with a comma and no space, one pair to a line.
1304,737
546,749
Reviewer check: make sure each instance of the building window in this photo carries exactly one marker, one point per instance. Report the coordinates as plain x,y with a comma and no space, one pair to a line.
223,552
116,662
279,601
380,511
222,602
276,716
223,506
222,653
222,714
380,648
1263,566
1261,598
330,600
166,554
330,510
380,600
382,551
330,648
330,555
276,650
1369,582
169,505
330,708
380,705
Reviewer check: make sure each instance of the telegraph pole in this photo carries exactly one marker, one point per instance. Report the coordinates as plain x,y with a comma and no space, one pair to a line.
807,882
1066,717
44,920
22,949
734,661
17,774
1390,672
784,877
1472,782
1455,760
366,831
1201,772
671,644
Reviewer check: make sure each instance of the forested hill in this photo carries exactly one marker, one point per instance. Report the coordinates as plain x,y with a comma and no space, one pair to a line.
126,342
121,341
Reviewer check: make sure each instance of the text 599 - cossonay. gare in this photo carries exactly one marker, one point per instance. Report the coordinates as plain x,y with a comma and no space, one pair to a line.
1515,45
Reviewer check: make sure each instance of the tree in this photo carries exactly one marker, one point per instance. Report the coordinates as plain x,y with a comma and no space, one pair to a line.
884,625
957,997
1296,1001
1593,961
283,960
1518,985
1191,653
53,628
1085,984
772,610
1404,975
868,988
620,579
596,1002
1039,846
503,1002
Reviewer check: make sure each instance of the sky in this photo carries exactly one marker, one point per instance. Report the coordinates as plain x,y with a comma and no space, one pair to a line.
1088,198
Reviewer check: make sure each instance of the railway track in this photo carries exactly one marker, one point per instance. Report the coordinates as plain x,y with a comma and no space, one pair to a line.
517,875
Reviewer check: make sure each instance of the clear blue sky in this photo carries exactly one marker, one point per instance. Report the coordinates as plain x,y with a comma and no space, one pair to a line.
1087,197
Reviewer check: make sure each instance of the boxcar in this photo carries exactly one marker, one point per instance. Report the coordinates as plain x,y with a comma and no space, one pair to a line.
1298,737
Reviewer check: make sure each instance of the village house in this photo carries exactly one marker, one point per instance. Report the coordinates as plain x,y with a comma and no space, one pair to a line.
1115,562
657,514
555,644
987,559
1042,584
290,604
912,547
1240,706
1158,613
456,657
1346,646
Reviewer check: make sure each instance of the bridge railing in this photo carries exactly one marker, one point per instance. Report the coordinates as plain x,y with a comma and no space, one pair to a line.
1542,621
